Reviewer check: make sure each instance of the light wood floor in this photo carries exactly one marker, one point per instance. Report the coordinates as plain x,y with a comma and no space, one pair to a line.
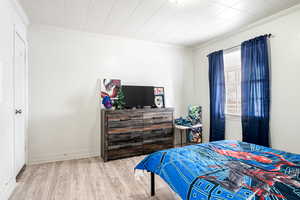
88,179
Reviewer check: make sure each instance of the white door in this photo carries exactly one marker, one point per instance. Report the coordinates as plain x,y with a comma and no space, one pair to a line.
20,102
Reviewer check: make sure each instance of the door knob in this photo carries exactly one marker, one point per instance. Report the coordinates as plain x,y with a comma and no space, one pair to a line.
18,111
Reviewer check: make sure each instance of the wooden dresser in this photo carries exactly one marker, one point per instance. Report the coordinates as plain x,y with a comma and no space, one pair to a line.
126,133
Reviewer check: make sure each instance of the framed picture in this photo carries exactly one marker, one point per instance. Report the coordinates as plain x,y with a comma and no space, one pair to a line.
159,91
159,97
109,92
110,87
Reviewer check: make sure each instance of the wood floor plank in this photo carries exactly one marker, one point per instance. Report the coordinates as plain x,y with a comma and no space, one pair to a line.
88,179
47,186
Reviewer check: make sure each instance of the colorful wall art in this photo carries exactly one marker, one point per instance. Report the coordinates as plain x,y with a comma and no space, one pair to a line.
109,88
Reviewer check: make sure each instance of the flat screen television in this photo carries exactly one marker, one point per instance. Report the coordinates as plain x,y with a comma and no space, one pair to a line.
138,96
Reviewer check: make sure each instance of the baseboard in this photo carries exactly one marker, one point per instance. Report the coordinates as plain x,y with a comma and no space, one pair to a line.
62,157
7,189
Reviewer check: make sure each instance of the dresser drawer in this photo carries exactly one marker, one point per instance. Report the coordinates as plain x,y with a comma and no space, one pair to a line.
125,123
156,134
157,117
150,127
162,144
122,140
111,117
125,152
122,123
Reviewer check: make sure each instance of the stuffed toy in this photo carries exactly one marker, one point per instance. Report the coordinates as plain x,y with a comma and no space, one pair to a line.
106,101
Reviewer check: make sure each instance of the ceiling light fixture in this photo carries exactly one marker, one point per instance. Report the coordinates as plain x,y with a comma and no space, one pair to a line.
177,2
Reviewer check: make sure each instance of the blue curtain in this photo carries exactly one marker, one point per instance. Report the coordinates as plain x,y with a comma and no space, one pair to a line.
217,96
255,91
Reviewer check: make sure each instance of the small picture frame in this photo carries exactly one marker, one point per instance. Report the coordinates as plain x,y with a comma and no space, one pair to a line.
159,97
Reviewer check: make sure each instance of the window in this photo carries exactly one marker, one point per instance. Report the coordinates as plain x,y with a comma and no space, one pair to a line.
232,69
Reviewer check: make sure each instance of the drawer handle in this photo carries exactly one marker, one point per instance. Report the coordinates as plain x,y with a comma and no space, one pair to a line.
156,130
157,117
123,120
134,116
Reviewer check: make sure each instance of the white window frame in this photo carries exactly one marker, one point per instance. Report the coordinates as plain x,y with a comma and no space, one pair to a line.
228,69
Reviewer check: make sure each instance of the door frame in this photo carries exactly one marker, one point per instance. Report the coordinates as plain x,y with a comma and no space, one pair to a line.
20,31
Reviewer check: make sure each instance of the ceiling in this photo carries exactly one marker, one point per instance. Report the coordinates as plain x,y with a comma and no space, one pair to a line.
194,22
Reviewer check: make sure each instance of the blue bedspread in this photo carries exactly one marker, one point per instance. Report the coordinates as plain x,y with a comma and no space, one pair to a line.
227,170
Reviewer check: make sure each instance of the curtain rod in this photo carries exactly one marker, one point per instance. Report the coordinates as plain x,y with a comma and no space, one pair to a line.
236,46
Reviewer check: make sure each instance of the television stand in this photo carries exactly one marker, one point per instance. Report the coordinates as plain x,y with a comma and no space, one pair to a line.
126,133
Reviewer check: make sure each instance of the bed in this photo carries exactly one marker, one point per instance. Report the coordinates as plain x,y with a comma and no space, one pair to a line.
226,170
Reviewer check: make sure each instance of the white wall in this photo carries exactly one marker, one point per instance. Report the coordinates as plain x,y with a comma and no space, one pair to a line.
285,71
8,20
64,68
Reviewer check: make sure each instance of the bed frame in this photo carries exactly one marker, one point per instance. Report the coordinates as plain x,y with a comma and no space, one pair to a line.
152,184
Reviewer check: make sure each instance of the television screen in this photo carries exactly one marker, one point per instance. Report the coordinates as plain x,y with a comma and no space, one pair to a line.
138,96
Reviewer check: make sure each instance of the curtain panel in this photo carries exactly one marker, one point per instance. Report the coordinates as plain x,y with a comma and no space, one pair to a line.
255,91
217,96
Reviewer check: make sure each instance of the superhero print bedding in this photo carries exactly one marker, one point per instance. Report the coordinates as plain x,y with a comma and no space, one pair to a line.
227,170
